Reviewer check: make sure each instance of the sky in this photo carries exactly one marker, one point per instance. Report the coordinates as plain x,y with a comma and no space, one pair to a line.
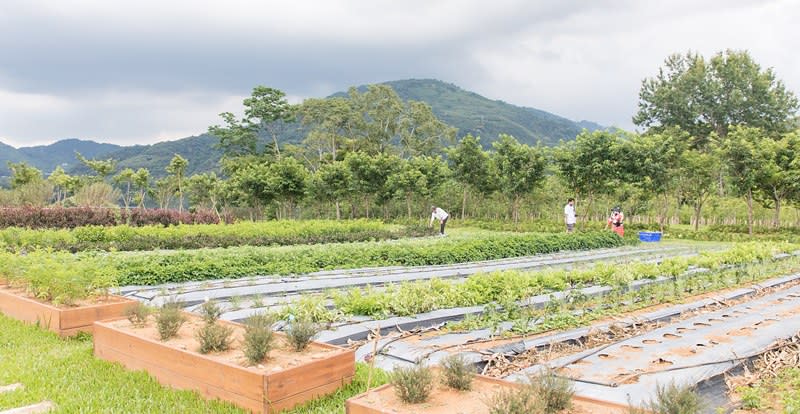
138,72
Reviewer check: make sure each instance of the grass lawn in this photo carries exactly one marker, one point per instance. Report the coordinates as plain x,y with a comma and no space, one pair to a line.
65,372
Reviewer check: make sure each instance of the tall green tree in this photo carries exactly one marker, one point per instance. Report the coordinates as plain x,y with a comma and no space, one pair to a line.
60,181
333,182
472,168
125,179
22,174
289,182
590,165
237,138
177,168
204,189
521,168
743,162
141,180
267,109
407,181
697,175
777,177
711,96
379,110
422,133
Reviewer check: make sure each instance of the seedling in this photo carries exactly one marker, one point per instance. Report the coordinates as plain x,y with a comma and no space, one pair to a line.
554,393
675,399
169,320
214,337
414,384
210,312
137,314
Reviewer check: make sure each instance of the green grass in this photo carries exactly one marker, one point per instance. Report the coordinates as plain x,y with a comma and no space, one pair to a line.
781,393
65,372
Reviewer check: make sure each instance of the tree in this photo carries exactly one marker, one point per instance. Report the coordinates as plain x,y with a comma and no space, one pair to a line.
22,174
777,176
405,182
177,168
471,167
652,162
267,109
237,138
163,191
702,97
332,182
125,178
743,163
289,181
60,181
421,132
330,121
377,121
141,180
520,168
102,168
697,174
204,189
590,164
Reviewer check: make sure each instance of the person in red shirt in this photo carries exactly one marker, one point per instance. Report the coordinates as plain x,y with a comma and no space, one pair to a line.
615,221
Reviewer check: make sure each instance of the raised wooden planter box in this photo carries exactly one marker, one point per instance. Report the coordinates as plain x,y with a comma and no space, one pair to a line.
65,321
382,400
261,389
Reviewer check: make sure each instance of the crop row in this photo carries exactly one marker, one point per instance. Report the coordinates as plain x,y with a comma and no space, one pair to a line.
66,277
193,236
60,217
506,287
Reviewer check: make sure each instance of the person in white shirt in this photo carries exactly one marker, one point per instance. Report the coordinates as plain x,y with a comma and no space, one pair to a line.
569,215
441,215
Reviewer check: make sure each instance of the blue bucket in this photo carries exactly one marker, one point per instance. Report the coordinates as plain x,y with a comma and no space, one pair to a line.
650,236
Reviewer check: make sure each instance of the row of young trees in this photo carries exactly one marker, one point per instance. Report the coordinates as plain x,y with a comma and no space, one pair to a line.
712,127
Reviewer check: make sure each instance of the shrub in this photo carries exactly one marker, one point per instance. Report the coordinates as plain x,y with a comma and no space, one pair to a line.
414,384
553,392
458,372
258,337
675,399
210,312
514,401
214,337
169,320
69,218
137,314
300,332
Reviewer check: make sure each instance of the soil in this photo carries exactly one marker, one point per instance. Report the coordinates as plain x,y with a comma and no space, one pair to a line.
281,357
444,400
98,300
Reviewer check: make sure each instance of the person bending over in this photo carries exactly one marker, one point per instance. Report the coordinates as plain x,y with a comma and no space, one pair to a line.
441,215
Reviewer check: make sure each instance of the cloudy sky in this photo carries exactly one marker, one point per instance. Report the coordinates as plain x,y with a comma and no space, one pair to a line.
132,72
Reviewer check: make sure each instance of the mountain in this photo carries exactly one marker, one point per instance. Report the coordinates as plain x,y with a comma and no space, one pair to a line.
477,115
469,112
47,157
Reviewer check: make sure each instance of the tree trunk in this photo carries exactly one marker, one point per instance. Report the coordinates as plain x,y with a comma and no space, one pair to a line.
464,204
777,220
408,204
338,211
366,205
750,212
515,209
664,213
697,207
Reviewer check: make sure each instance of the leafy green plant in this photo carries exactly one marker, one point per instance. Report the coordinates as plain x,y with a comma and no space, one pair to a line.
214,337
413,384
675,399
300,332
458,372
258,337
236,302
137,314
752,398
553,392
520,400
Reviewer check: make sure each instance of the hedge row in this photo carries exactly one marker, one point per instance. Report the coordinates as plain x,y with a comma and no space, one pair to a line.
72,217
631,229
164,267
127,238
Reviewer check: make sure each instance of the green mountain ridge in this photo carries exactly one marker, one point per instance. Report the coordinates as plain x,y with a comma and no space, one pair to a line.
469,112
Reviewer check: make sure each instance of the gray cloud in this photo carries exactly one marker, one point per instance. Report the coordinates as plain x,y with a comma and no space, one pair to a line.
134,72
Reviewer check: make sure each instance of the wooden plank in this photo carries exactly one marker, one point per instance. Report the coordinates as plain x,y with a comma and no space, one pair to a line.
42,407
286,383
305,396
84,316
176,380
232,378
29,310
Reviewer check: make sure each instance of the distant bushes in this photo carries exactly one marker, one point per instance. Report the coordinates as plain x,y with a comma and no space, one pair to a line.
70,218
127,238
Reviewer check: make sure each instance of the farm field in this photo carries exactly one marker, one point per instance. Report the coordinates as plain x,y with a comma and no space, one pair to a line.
528,303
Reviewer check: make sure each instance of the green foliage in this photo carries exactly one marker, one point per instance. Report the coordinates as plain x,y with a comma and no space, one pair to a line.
300,332
169,320
458,372
258,337
214,337
210,311
509,400
553,393
413,385
752,398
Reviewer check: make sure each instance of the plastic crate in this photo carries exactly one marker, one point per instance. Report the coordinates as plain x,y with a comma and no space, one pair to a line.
650,236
